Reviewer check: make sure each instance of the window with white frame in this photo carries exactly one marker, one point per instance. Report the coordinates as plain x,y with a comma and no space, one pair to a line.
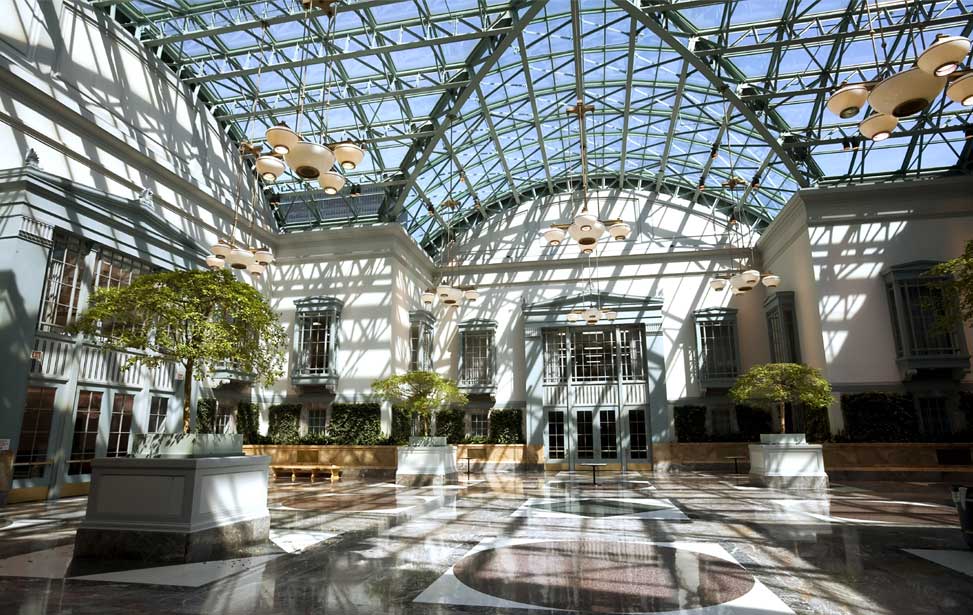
476,354
555,356
116,270
317,418
593,351
120,426
479,425
85,438
35,433
421,336
62,286
158,411
316,332
917,305
223,421
782,328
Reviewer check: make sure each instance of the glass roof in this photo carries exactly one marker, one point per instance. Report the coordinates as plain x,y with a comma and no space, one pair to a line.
467,98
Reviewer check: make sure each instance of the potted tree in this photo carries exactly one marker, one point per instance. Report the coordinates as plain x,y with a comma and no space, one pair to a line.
214,498
784,460
421,394
197,320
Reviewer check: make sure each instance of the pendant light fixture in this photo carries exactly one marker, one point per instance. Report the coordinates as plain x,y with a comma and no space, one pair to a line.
898,95
449,294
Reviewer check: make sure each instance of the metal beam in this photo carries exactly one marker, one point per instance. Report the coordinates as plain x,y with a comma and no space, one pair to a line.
700,65
673,121
506,31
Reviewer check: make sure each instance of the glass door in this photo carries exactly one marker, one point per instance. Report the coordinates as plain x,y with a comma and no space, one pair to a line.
597,435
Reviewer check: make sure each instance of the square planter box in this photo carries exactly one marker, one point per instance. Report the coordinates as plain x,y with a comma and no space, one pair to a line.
787,461
186,445
426,465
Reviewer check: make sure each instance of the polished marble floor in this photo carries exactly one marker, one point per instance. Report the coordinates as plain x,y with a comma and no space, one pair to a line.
690,543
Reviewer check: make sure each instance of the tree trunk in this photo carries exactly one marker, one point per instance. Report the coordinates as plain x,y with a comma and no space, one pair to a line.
783,418
187,394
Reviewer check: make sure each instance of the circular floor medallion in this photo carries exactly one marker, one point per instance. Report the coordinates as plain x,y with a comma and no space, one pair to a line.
604,577
594,507
358,502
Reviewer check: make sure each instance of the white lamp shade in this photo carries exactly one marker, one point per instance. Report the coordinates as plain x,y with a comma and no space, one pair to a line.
878,126
471,295
554,236
269,168
281,139
309,160
738,291
848,100
961,90
215,262
592,314
453,297
239,258
944,55
428,296
751,277
585,221
331,182
263,256
256,269
717,284
771,281
220,249
740,283
610,315
619,231
443,290
573,317
348,154
587,238
906,93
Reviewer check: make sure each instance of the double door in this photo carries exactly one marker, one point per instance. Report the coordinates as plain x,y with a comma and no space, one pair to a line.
597,434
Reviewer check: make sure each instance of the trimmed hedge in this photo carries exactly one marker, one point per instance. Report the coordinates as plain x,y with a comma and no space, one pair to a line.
817,427
285,423
506,426
690,423
452,424
880,417
401,427
355,424
205,415
752,422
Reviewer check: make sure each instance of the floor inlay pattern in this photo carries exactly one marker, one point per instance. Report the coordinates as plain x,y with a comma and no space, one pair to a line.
600,508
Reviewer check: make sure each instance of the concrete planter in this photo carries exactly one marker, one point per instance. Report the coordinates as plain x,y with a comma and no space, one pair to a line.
787,461
171,509
963,498
426,465
186,445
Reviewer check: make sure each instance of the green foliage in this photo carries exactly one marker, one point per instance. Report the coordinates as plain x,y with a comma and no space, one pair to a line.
817,428
285,423
880,417
401,426
318,439
773,385
355,424
506,426
955,278
475,440
205,416
451,423
690,423
419,393
194,318
248,422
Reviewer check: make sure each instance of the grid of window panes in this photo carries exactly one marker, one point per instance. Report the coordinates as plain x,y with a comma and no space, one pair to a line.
780,336
934,416
479,425
116,270
718,353
593,352
35,432
85,439
421,341
477,358
608,433
555,434
586,434
317,419
316,342
630,349
158,411
896,334
924,308
555,356
120,426
62,287
638,437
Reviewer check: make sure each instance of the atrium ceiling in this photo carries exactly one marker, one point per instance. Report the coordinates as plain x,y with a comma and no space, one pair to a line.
466,98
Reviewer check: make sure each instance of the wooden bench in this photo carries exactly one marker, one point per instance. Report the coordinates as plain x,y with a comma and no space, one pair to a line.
473,454
300,468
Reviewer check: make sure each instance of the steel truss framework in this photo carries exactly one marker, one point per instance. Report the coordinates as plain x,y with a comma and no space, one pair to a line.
467,97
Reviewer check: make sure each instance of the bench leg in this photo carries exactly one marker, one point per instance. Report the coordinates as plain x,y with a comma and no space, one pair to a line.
273,475
293,476
312,476
335,475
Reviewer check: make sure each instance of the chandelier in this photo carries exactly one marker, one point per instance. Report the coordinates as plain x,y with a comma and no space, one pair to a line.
586,228
592,314
907,92
307,159
450,295
742,282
